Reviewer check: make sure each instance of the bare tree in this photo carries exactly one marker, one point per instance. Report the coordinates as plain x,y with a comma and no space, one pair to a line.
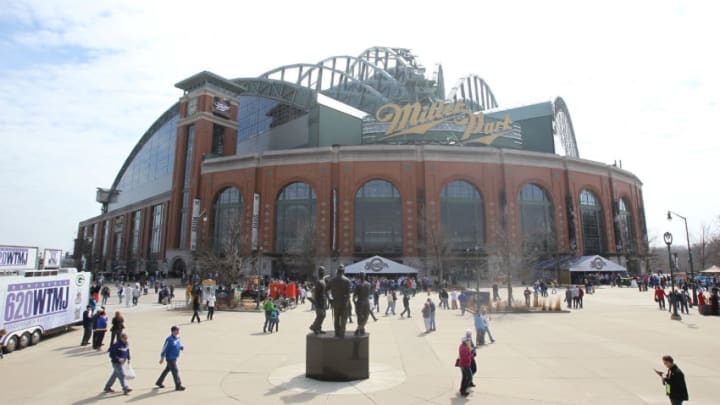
221,256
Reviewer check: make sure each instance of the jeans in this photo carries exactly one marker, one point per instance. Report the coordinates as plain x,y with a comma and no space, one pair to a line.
171,367
406,309
480,337
116,374
195,315
487,329
87,333
462,308
466,379
676,402
432,320
390,308
211,311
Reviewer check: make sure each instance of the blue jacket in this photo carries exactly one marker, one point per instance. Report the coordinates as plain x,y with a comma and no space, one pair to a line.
101,323
119,350
171,348
479,321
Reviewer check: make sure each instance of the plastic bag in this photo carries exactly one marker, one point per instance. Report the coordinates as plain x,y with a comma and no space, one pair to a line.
128,371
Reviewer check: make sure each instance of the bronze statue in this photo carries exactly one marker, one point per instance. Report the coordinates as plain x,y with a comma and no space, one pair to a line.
339,287
361,299
319,300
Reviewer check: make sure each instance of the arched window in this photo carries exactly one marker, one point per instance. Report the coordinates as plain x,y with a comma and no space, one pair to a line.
536,221
295,218
591,221
625,225
227,227
462,215
378,218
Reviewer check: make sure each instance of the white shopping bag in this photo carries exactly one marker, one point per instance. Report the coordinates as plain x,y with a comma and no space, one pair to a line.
128,371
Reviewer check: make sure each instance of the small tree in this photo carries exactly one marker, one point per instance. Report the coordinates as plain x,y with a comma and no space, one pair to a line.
221,257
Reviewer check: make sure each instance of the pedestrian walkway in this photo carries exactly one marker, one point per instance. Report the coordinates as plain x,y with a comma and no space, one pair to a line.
602,354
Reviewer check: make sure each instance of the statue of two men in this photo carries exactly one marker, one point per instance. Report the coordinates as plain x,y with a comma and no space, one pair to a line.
339,288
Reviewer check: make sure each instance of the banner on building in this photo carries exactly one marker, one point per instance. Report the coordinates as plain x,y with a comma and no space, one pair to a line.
194,224
255,221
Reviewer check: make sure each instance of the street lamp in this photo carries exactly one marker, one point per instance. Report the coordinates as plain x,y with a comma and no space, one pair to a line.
668,241
692,268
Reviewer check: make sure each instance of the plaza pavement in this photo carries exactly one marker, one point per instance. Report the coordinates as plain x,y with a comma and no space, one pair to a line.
603,354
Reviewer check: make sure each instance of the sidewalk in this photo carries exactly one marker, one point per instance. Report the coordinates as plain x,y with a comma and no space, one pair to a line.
603,354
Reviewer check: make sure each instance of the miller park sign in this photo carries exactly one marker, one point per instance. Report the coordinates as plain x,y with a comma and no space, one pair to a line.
418,119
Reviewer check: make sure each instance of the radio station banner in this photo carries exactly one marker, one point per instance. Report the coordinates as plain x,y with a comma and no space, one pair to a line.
46,303
18,258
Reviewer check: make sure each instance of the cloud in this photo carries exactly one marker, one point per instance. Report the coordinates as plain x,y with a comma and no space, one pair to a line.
84,80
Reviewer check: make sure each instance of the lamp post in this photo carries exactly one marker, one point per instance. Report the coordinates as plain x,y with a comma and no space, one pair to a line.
692,267
668,241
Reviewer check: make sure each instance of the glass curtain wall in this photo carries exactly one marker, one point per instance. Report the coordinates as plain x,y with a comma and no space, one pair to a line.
462,216
626,226
378,218
536,220
227,229
591,220
296,217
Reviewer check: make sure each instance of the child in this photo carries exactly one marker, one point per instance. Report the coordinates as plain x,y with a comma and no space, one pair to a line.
274,320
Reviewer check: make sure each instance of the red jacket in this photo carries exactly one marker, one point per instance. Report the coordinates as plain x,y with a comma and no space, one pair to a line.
659,293
465,355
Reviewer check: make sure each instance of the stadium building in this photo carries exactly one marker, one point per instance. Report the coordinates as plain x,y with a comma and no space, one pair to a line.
337,161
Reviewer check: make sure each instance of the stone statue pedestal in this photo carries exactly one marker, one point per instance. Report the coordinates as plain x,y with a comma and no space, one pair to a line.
329,358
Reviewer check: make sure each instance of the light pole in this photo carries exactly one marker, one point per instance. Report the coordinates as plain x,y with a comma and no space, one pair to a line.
692,267
668,241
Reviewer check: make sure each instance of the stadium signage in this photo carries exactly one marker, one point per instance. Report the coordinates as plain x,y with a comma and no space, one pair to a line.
221,107
417,119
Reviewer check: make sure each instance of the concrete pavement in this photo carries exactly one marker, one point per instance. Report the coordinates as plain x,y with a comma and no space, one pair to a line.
602,354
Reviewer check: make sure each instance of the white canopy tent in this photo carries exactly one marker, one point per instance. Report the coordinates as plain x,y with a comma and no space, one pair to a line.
377,265
711,270
595,264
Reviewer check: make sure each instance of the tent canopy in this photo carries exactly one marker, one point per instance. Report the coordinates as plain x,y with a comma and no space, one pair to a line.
591,264
377,265
712,270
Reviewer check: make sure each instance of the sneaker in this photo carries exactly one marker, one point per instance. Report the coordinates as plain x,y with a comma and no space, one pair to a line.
159,385
127,391
180,388
108,390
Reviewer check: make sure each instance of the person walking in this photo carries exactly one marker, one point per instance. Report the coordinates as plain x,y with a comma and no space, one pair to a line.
464,361
268,307
426,316
105,294
473,350
486,317
120,293
119,355
188,294
101,324
660,298
462,299
196,309
211,307
406,304
432,314
453,299
88,325
170,353
674,381
118,324
390,303
480,326
376,301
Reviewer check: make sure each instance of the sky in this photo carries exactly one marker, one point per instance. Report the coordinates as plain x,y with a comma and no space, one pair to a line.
80,82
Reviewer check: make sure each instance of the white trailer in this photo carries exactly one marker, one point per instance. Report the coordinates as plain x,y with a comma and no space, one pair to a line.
36,302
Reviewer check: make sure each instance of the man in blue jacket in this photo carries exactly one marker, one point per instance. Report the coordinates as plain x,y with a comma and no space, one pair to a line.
170,353
119,354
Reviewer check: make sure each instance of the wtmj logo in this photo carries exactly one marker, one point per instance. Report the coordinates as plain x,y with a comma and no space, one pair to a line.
32,300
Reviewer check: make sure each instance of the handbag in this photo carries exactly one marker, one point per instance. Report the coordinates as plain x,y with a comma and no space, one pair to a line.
128,371
457,362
